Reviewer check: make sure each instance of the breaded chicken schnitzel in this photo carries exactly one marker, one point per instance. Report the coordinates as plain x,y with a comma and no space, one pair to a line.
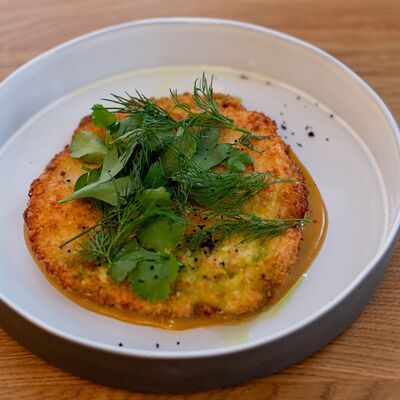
230,278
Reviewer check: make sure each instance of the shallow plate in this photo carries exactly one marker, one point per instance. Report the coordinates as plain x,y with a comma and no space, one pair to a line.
352,154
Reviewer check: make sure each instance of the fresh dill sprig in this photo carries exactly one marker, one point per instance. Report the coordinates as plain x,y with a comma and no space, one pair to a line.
221,191
246,226
209,115
145,110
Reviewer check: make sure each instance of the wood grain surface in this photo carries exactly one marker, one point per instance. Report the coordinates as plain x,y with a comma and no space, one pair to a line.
362,363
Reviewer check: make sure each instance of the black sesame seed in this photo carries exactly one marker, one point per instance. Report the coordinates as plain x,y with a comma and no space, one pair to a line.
331,116
68,180
283,127
268,83
120,344
236,250
298,97
69,250
299,144
311,134
222,263
155,276
151,267
204,276
281,113
178,343
327,139
292,133
196,259
242,76
157,345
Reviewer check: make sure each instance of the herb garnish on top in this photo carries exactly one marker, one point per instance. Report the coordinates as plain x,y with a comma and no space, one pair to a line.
151,172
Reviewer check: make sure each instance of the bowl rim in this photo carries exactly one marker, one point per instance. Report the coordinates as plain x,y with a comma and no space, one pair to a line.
189,354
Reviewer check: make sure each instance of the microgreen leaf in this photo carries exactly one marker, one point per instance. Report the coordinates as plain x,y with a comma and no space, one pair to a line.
237,159
152,280
162,234
102,118
88,147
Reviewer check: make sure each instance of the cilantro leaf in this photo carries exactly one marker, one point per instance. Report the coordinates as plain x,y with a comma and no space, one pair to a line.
155,176
152,280
209,152
102,118
88,147
237,159
162,234
110,192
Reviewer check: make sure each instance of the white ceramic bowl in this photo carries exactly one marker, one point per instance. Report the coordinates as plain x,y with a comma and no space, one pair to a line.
353,156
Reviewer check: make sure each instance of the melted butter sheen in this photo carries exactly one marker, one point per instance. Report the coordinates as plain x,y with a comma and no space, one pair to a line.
314,235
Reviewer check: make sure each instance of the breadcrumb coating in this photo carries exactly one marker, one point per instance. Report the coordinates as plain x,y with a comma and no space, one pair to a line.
230,280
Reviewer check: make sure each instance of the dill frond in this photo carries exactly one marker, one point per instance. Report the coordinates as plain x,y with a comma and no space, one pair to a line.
245,226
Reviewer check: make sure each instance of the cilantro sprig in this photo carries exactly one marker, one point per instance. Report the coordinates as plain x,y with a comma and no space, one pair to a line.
146,176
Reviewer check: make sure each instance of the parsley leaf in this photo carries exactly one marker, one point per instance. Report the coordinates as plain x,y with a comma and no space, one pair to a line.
88,147
102,118
184,142
237,159
152,280
125,126
158,197
112,164
128,258
155,176
209,151
162,234
110,192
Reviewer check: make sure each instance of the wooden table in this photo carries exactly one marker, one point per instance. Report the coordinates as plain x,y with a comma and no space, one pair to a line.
362,363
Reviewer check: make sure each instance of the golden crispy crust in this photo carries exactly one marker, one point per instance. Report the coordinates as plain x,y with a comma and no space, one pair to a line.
232,279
